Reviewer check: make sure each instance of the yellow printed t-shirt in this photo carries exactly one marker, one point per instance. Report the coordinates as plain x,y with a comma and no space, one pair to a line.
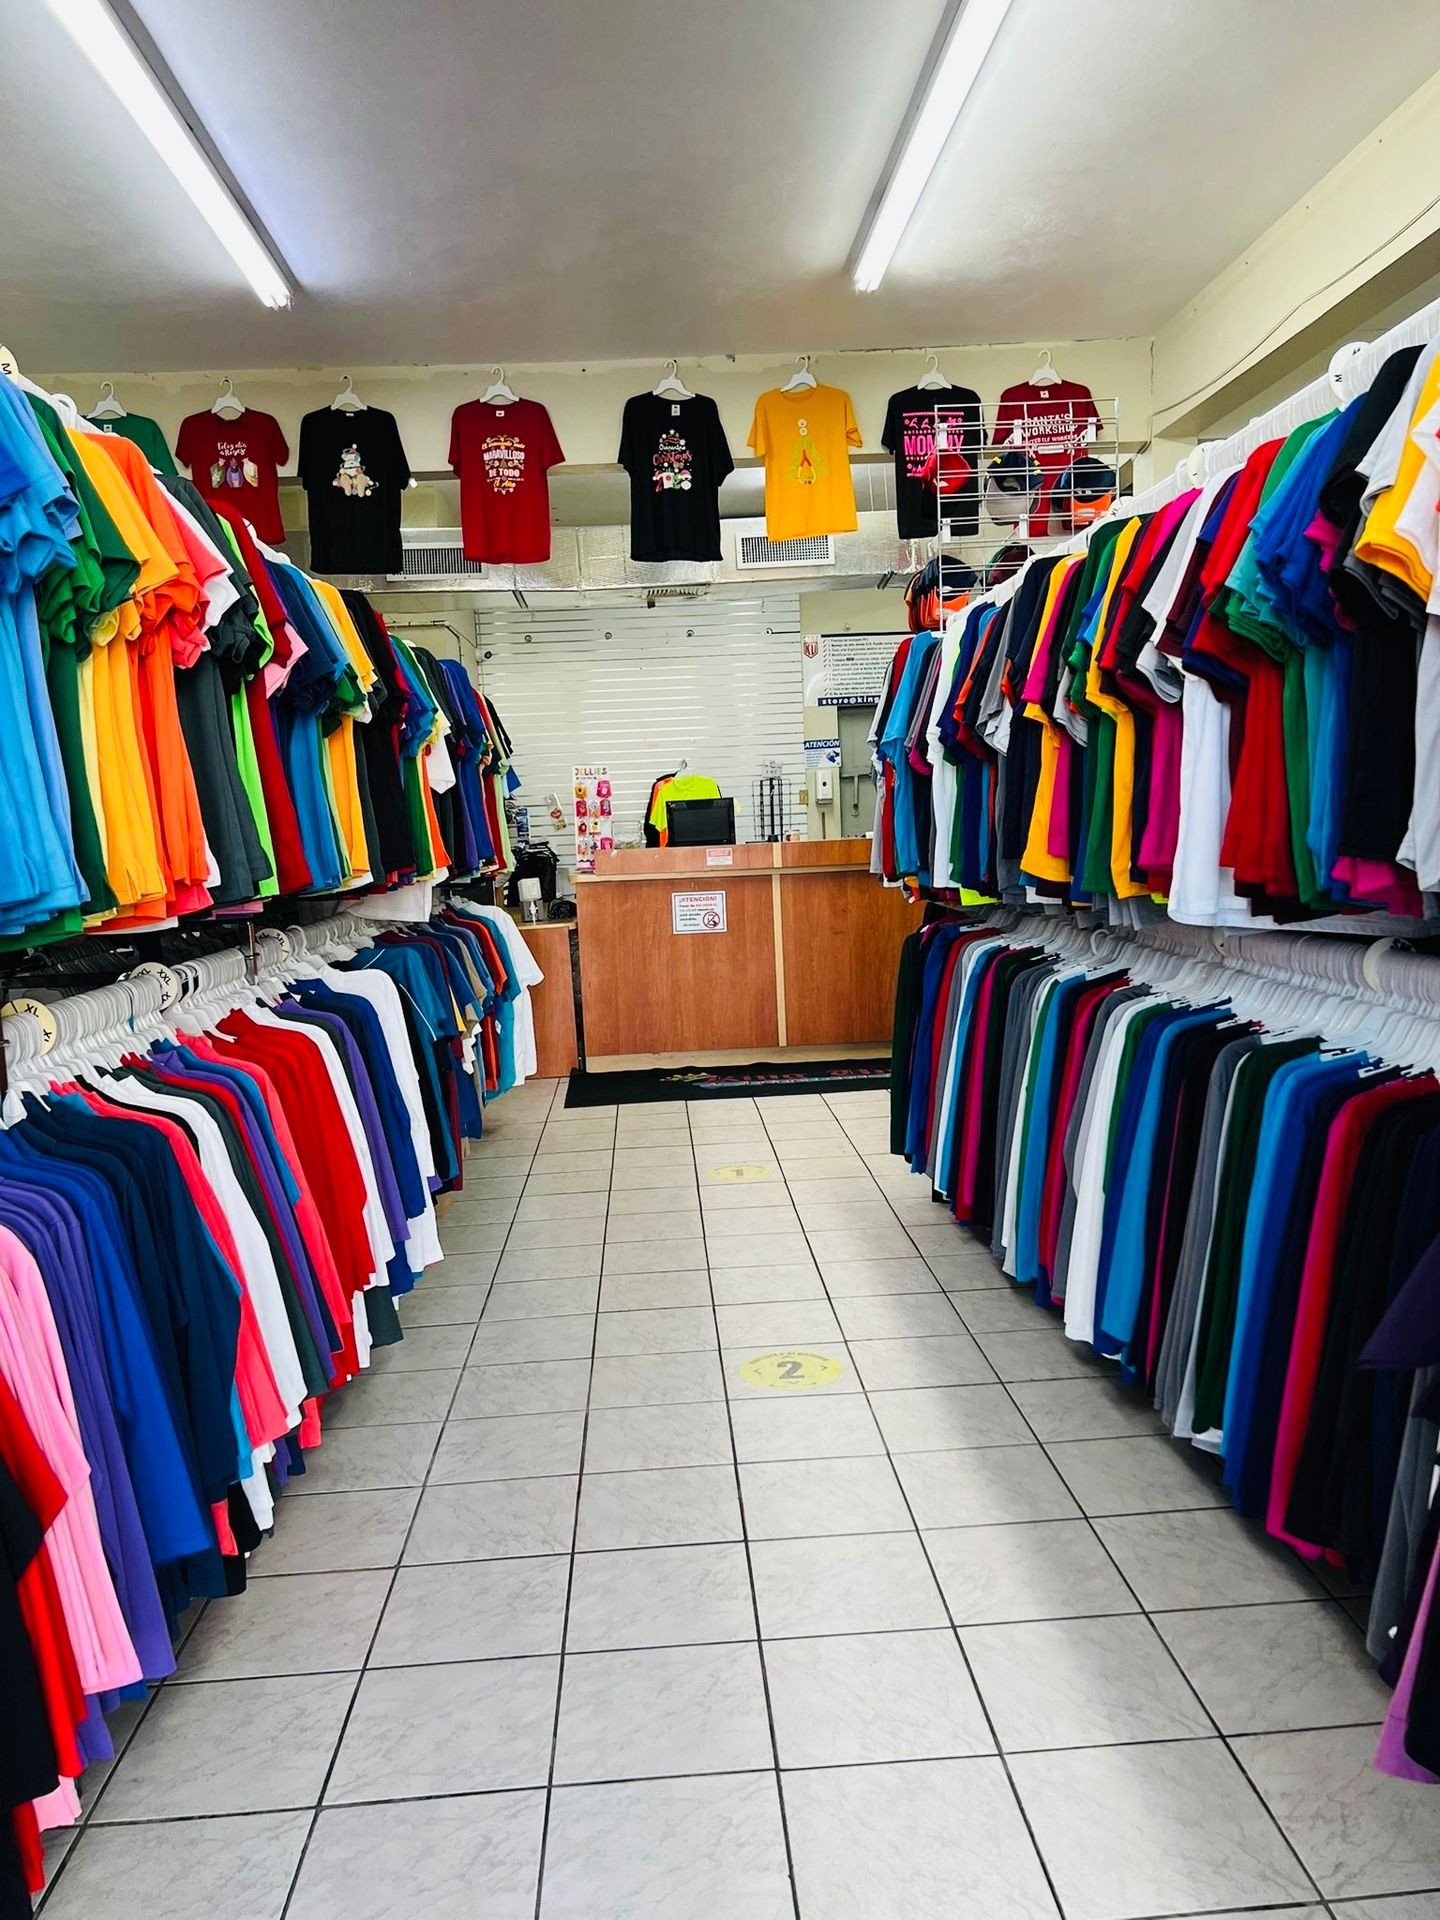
804,438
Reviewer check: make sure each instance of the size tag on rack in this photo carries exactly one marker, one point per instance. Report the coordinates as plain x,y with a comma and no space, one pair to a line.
48,1028
168,978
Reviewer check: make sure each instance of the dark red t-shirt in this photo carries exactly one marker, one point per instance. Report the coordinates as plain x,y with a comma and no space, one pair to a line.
1051,423
236,463
503,454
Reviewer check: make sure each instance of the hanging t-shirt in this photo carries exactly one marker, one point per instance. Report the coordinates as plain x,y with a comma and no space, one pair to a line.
146,435
353,469
679,786
910,435
1053,424
805,438
503,455
237,461
676,455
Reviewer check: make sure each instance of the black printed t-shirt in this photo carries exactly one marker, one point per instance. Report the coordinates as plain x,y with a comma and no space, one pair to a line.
910,435
676,455
353,469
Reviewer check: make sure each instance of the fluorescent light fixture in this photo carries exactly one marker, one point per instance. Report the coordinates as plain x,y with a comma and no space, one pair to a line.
953,75
118,61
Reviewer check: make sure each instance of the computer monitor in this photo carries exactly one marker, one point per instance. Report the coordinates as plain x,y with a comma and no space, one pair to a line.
701,823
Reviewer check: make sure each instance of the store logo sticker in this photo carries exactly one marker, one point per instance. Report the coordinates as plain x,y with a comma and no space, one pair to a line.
792,1372
738,1173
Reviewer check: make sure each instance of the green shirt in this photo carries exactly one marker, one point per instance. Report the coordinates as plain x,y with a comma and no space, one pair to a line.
146,435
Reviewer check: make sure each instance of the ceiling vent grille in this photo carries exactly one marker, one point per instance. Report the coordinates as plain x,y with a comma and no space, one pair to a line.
432,553
754,551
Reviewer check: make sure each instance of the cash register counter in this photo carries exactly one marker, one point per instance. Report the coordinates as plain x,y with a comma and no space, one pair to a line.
746,950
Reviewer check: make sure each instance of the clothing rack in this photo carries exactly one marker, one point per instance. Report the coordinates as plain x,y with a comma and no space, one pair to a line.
1380,971
1352,368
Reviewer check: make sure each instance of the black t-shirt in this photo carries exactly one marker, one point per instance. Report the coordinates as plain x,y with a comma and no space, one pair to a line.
910,435
676,455
353,469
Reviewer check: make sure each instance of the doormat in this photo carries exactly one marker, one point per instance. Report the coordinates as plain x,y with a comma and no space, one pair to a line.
725,1083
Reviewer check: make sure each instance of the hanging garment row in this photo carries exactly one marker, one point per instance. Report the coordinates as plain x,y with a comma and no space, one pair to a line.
1225,710
192,723
1223,1180
208,1211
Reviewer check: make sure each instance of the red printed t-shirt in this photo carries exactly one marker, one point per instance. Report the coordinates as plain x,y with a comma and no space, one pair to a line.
1053,424
236,462
503,455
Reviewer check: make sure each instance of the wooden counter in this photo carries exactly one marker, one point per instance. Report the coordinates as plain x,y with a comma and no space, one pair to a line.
557,1047
806,958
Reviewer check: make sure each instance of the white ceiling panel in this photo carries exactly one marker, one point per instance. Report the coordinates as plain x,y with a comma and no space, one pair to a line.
551,180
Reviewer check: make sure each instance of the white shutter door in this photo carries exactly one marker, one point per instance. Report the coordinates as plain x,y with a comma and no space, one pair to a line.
716,683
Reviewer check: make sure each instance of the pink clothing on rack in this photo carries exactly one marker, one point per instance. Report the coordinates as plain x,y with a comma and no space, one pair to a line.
33,1365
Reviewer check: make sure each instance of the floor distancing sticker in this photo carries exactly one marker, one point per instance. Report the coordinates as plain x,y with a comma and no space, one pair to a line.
739,1172
793,1370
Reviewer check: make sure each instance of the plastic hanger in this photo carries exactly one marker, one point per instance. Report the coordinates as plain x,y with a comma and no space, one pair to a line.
498,391
10,368
798,382
227,400
107,407
671,385
932,376
348,400
1045,374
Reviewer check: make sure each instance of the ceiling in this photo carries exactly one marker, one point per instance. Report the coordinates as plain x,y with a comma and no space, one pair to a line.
541,180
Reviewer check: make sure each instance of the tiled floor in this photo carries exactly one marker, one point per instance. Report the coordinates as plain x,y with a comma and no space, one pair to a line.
572,1619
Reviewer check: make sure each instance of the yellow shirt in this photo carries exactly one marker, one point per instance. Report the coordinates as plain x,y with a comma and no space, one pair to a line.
1384,541
804,438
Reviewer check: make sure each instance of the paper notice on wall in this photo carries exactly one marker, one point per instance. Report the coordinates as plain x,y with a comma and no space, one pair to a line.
594,816
697,912
846,669
822,753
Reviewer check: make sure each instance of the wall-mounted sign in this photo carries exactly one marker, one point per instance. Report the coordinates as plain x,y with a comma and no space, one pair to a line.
846,669
822,753
697,912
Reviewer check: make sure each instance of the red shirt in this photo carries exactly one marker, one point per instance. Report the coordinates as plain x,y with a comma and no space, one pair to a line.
503,455
235,463
1051,423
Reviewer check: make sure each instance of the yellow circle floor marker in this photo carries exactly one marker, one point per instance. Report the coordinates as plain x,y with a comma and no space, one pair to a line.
794,1371
738,1172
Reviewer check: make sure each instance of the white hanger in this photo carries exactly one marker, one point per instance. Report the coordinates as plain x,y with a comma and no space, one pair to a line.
671,383
69,412
932,376
348,400
498,390
798,382
107,407
227,398
1045,374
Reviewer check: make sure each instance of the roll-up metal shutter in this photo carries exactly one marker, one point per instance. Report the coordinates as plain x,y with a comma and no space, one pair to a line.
716,683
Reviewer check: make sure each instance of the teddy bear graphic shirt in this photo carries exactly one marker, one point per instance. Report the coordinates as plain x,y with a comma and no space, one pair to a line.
676,455
235,462
503,454
354,471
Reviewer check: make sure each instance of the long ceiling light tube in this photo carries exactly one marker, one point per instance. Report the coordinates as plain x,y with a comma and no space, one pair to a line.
111,51
972,34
